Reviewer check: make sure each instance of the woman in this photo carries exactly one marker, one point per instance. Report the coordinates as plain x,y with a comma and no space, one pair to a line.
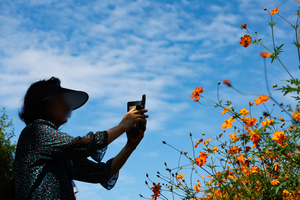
47,159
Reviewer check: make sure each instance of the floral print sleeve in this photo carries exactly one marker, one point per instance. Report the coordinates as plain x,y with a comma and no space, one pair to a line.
89,171
47,160
54,144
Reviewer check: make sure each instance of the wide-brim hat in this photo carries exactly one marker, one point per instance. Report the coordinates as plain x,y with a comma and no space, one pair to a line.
74,98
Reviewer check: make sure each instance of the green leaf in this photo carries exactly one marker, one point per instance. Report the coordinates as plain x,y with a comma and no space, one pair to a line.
272,24
297,44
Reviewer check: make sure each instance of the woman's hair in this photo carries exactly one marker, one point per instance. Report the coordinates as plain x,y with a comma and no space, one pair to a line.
33,108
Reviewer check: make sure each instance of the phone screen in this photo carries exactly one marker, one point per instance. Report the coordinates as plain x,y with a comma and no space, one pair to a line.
131,107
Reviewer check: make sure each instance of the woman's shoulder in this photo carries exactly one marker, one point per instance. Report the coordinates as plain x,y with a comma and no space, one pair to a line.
37,127
40,123
33,134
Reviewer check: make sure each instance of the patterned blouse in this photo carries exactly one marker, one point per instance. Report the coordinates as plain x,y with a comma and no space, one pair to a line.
47,160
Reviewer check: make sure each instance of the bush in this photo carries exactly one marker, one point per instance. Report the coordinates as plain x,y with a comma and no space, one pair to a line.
7,150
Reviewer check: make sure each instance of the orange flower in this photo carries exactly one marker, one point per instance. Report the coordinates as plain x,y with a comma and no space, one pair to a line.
201,160
234,150
207,141
274,11
227,82
246,40
228,123
233,136
196,93
285,192
296,115
252,121
254,137
244,111
278,136
267,122
156,190
215,149
275,182
265,54
241,159
254,170
180,176
228,174
249,122
225,110
243,26
261,99
197,186
276,167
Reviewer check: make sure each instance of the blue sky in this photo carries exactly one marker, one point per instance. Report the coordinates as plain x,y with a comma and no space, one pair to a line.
118,50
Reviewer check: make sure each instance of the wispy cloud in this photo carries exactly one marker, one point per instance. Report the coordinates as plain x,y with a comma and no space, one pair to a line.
118,50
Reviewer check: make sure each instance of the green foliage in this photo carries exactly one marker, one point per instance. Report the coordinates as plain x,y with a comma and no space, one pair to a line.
272,24
293,87
297,44
7,149
277,51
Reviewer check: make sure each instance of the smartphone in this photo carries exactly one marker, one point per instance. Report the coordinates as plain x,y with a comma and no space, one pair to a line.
139,105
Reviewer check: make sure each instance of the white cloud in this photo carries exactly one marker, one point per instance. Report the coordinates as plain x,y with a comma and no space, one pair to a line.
118,50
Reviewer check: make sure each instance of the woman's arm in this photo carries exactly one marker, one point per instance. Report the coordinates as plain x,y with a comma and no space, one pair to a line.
53,144
120,160
106,173
123,155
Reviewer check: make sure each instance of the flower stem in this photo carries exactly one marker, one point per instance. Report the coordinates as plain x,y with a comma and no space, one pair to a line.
271,52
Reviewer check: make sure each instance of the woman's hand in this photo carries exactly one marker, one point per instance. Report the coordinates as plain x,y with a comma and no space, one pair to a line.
133,140
132,117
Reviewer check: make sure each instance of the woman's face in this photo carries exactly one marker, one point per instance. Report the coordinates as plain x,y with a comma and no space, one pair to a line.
58,108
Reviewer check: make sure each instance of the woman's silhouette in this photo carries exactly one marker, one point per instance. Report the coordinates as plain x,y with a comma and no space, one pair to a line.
47,160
